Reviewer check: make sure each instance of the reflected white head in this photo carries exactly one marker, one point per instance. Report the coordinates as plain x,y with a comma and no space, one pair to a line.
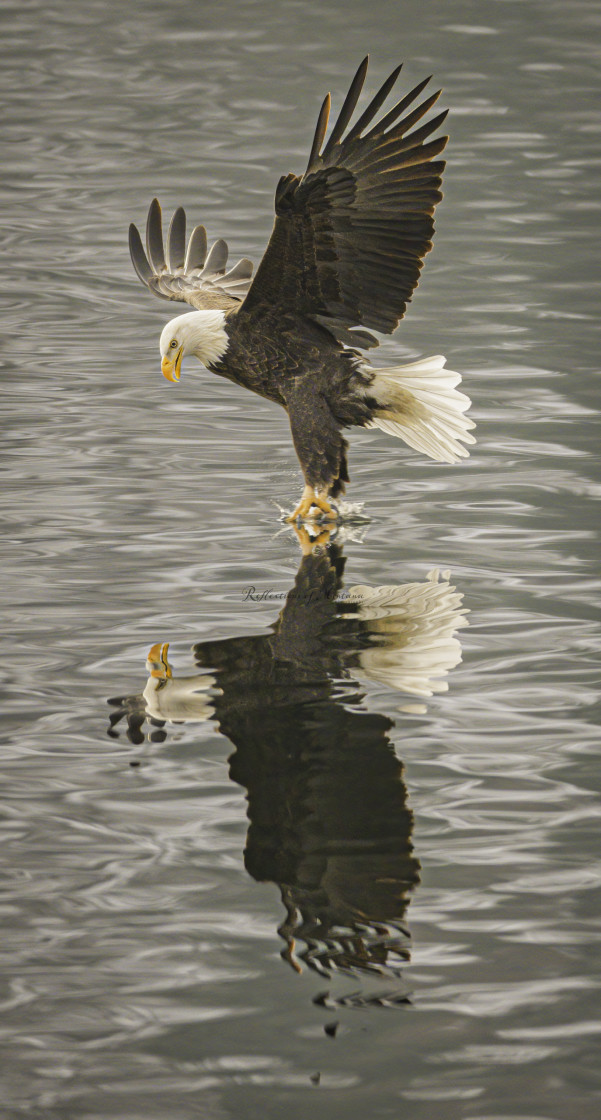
201,333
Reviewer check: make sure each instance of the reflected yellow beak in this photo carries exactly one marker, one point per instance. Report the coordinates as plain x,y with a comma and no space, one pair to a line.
172,370
157,658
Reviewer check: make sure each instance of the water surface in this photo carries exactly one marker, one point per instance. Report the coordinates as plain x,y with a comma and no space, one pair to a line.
431,863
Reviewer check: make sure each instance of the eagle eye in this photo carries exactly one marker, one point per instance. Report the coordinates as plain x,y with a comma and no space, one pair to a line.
173,343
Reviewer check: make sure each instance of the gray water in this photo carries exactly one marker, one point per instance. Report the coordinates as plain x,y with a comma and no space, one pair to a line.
142,974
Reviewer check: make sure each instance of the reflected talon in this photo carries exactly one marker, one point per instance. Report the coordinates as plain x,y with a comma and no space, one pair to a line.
308,543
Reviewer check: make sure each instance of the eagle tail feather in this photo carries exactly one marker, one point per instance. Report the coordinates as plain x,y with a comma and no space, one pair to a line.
420,404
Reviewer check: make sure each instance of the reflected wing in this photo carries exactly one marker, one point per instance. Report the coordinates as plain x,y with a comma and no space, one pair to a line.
350,236
193,275
412,631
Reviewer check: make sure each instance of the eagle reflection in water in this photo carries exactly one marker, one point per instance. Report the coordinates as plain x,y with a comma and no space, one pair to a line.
327,801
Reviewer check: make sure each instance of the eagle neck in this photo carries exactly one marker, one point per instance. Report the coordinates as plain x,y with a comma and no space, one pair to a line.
208,337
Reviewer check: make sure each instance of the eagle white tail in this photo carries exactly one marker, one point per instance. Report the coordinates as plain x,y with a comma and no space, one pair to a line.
420,404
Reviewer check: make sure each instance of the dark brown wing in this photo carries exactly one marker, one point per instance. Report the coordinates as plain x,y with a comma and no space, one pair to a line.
193,275
350,236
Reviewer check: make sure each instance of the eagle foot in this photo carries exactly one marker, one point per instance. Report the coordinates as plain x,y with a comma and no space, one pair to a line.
313,500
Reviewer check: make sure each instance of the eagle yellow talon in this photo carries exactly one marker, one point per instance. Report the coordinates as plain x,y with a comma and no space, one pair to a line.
312,500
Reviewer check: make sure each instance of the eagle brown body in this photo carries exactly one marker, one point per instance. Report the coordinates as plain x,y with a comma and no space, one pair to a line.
300,366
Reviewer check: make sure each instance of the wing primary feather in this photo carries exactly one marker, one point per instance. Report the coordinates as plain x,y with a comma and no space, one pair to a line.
138,256
233,287
413,176
403,155
348,107
217,259
424,131
241,271
375,104
320,131
197,249
423,152
397,109
154,237
412,118
176,239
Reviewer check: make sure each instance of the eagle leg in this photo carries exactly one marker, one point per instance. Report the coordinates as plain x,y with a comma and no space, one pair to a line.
312,499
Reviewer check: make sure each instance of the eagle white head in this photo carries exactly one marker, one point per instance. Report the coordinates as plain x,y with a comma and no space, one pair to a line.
201,333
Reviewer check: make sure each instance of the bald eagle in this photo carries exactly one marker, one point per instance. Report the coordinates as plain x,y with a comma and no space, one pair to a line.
346,252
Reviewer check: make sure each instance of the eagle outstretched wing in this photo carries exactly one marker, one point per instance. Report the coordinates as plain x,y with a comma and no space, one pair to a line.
350,235
192,275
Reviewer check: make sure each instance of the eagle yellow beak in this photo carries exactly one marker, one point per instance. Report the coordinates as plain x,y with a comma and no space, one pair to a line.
171,370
